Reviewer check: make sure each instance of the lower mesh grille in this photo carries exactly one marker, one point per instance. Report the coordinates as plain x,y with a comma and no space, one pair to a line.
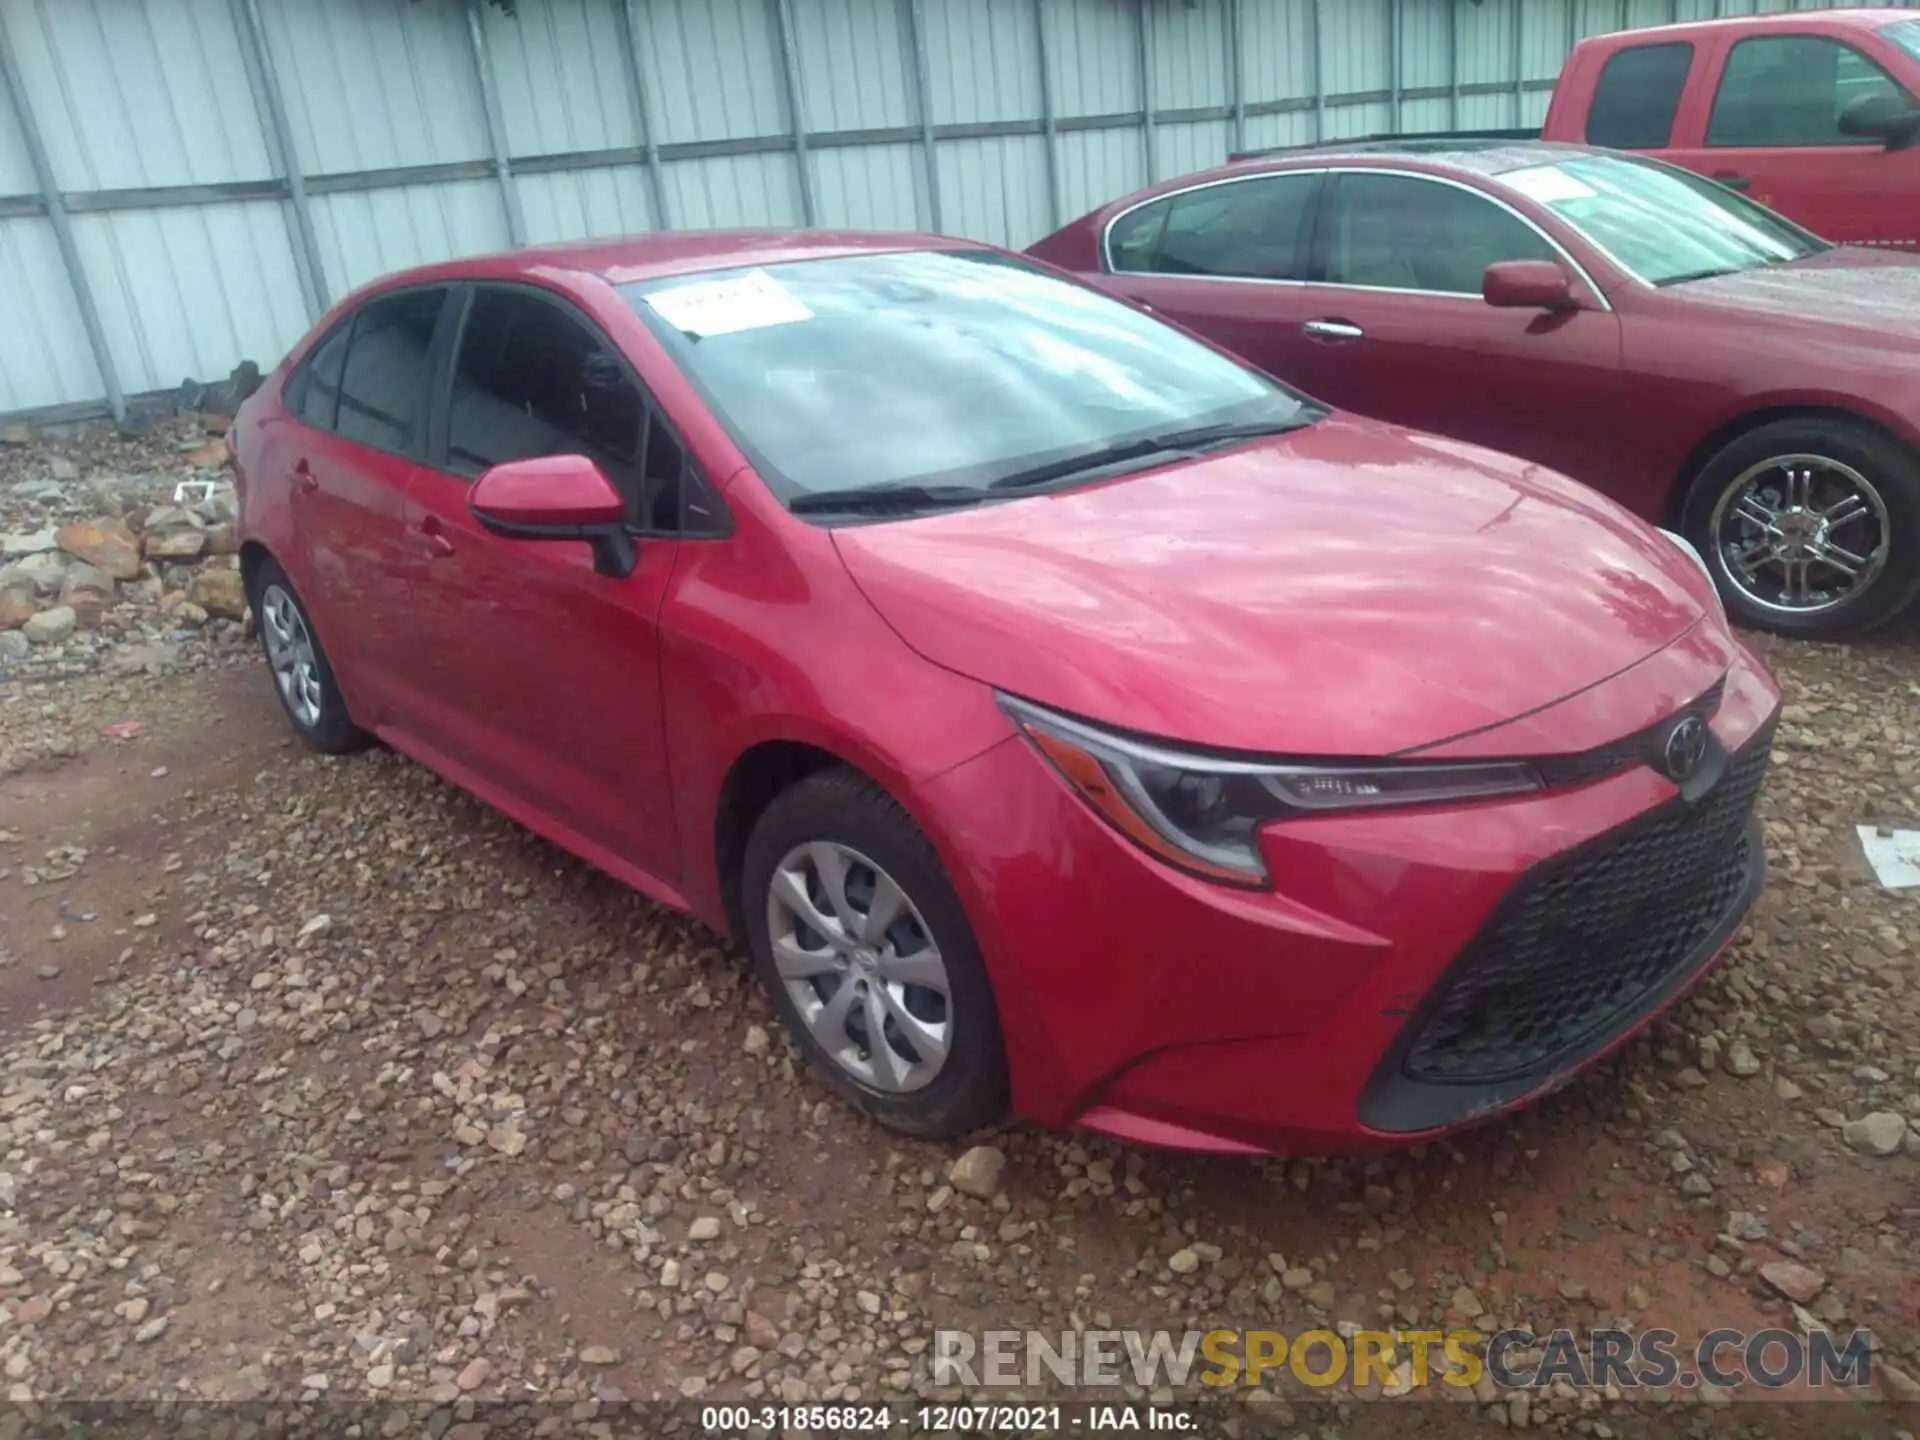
1582,943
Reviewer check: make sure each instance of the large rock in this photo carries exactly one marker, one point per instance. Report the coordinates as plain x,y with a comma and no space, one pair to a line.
1877,1134
219,592
43,572
27,542
16,606
104,542
87,591
175,544
50,627
13,645
977,1173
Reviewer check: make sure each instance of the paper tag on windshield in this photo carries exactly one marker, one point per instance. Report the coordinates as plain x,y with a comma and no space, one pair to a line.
752,301
1547,184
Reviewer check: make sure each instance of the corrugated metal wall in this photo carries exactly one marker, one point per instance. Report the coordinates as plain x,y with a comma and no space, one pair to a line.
184,183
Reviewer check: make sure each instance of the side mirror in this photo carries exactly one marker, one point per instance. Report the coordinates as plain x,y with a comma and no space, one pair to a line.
1885,118
1528,285
557,497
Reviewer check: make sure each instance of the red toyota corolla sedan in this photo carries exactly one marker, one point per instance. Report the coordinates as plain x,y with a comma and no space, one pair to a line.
1063,714
1649,332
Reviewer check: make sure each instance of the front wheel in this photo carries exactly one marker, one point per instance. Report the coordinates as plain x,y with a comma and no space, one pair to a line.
865,952
1811,527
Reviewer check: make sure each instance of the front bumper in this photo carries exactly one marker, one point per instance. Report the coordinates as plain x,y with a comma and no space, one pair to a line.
1411,971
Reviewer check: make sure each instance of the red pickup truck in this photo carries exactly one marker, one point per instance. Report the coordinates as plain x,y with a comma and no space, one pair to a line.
1814,114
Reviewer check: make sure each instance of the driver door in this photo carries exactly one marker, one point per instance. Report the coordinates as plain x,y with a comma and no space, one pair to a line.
1397,329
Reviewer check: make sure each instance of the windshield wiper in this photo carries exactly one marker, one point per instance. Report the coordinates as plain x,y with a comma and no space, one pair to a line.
886,497
1079,464
1244,430
1712,272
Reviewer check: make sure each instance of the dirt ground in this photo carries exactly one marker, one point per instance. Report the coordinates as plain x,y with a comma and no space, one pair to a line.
320,1080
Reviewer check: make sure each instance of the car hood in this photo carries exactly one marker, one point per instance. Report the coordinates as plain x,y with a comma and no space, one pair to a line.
1348,589
1877,290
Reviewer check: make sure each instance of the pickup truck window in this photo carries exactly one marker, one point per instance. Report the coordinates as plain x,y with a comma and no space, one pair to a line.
1905,34
1666,225
1791,89
1638,95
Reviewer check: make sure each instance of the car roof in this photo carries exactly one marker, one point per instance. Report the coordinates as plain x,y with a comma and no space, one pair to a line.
1439,154
1865,17
676,252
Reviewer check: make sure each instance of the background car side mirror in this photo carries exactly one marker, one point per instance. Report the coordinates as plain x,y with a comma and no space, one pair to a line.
1886,118
1528,285
557,497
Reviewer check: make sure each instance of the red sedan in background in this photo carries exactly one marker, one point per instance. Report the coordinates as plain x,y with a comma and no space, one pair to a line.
1058,710
1667,341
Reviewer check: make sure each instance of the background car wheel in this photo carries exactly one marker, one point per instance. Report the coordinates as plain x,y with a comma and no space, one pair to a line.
864,949
302,677
1811,526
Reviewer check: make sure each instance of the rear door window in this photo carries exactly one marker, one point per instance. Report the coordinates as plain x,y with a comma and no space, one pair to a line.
383,388
1242,229
1638,96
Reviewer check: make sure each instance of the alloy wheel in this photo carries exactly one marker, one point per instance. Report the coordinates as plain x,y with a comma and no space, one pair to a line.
290,652
861,966
1801,534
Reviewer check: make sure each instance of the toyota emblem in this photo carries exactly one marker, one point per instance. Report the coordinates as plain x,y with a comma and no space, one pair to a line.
1686,747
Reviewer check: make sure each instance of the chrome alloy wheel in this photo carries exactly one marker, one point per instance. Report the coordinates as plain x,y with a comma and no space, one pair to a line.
296,669
861,966
1801,534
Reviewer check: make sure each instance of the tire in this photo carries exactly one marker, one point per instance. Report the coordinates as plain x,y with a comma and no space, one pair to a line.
1836,453
308,694
841,814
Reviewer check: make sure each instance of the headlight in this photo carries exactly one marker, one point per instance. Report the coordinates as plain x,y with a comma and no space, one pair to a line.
1203,812
1682,543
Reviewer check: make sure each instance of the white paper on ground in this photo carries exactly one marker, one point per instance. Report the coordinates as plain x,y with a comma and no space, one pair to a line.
1894,854
752,301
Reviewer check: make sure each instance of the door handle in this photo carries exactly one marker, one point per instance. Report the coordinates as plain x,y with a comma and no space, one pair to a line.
432,539
303,477
1332,330
1733,180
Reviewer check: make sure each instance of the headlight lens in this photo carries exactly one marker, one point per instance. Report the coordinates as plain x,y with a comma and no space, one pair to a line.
1686,545
1202,813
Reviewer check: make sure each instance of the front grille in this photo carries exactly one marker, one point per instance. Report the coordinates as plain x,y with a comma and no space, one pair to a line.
1567,772
1584,941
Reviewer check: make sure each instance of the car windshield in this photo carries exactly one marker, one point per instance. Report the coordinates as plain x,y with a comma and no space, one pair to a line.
876,371
1905,34
1665,225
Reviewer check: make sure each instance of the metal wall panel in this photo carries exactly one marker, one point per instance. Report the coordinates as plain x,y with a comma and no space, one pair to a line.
43,345
371,84
186,293
415,134
133,95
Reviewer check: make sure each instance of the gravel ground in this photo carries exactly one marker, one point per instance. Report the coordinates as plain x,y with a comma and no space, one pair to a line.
320,1080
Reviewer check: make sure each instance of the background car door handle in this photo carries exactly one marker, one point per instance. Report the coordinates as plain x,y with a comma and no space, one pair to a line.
1332,330
1732,180
432,539
304,478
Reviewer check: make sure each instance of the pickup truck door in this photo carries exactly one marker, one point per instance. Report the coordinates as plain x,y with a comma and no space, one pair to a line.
1764,120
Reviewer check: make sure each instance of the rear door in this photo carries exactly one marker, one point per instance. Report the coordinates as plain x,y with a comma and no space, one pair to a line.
1772,131
361,401
1397,328
1227,259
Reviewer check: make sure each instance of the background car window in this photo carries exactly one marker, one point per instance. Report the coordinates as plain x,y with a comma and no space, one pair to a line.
1392,232
1248,229
1136,235
1905,34
531,379
319,399
1638,95
1791,90
385,380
